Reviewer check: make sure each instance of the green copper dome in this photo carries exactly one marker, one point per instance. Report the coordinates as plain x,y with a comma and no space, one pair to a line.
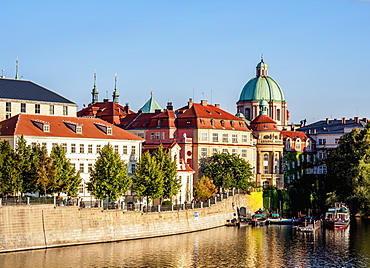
262,87
151,106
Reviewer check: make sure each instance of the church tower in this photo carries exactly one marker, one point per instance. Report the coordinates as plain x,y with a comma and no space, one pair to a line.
115,92
263,87
95,92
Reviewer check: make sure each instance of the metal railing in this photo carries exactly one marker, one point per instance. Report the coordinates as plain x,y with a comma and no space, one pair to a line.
16,201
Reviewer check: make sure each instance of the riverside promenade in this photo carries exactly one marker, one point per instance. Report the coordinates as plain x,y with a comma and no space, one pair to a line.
45,226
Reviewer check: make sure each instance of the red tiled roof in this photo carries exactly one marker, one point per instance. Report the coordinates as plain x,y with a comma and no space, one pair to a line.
208,116
27,124
104,110
263,122
294,135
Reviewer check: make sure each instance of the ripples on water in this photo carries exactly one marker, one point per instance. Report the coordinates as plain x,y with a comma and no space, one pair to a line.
270,246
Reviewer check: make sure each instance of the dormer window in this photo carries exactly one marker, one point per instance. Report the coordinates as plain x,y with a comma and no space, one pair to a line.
79,129
109,131
46,128
73,126
106,129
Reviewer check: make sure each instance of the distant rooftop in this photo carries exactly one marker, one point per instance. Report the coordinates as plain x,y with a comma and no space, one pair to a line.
15,89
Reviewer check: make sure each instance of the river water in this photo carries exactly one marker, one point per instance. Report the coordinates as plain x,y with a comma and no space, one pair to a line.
268,246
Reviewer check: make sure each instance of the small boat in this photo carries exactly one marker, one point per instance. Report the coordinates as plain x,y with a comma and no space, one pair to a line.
276,219
337,217
259,219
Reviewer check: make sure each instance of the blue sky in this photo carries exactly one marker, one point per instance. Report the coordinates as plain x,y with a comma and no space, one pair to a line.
317,50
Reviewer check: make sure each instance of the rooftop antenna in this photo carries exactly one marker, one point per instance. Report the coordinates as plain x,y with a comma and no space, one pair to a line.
16,69
211,96
2,72
202,95
106,93
262,57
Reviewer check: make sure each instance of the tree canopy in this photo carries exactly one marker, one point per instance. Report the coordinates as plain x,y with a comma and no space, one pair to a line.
229,170
349,170
109,178
205,189
148,179
171,184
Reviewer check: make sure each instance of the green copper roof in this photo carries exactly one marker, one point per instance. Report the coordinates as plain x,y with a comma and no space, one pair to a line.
262,88
262,64
150,106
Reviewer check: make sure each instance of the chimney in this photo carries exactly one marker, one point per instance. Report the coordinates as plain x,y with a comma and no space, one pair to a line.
364,119
190,103
343,120
169,106
203,102
126,108
157,111
327,121
217,106
105,100
356,120
314,131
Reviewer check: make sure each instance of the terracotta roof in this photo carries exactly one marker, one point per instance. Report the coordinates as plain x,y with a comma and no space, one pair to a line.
105,110
26,90
62,126
263,122
208,116
294,135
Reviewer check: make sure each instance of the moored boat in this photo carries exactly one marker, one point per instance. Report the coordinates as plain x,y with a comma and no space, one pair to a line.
337,217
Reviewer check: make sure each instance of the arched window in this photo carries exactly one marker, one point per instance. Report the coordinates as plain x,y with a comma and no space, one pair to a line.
247,113
276,164
278,115
298,144
287,144
265,164
308,145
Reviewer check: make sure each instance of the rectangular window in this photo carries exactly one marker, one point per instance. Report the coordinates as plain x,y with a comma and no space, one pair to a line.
157,136
162,135
8,115
133,150
8,107
124,149
203,152
133,168
51,109
245,138
23,107
225,138
266,169
82,148
81,188
73,148
204,136
225,151
64,146
73,165
90,167
244,152
98,148
82,167
90,149
235,138
37,108
44,144
214,150
151,136
234,151
116,149
109,131
54,144
65,110
215,137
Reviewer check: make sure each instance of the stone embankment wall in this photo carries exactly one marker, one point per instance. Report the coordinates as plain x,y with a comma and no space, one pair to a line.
43,226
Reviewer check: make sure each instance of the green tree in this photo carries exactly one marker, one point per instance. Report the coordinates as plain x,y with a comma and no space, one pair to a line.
108,177
148,179
45,171
171,184
229,170
205,189
349,170
10,173
67,180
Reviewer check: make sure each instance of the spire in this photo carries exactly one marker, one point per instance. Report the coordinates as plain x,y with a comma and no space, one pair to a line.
16,69
115,93
95,92
151,106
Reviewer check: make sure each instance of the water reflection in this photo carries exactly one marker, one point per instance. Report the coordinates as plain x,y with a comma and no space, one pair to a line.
270,246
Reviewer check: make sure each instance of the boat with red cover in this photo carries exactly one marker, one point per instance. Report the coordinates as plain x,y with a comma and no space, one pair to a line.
337,217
